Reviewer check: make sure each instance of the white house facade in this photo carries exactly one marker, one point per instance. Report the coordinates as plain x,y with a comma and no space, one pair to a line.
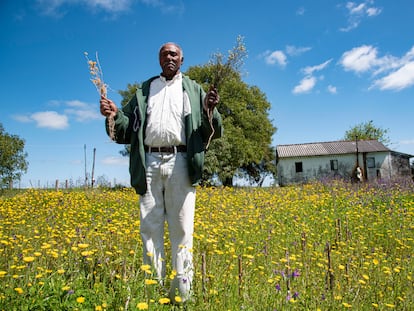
300,163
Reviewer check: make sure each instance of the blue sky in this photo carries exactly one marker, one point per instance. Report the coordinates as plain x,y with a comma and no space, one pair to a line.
324,66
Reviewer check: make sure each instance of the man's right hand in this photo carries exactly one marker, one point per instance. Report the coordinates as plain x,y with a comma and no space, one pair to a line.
107,107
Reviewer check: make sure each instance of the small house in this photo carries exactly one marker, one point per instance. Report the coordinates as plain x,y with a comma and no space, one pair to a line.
363,160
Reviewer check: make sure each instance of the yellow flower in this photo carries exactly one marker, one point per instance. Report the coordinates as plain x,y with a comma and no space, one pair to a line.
366,277
61,271
83,245
146,268
86,253
142,306
178,299
80,299
150,282
164,301
19,290
346,305
375,261
2,273
28,259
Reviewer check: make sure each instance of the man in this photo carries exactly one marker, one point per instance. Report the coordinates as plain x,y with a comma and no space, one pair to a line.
168,123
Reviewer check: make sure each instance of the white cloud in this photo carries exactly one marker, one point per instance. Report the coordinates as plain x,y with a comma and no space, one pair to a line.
332,89
279,57
56,8
82,111
356,12
116,161
50,119
309,70
397,80
276,57
397,73
295,51
305,85
359,59
309,81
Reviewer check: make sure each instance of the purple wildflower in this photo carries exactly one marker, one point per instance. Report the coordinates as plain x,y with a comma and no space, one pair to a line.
295,273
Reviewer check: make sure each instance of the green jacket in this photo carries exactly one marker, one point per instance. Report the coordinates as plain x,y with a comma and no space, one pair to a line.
130,129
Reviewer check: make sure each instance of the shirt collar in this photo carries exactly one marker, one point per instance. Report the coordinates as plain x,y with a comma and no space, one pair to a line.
177,77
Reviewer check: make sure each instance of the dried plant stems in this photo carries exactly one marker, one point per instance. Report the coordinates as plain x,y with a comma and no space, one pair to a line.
97,79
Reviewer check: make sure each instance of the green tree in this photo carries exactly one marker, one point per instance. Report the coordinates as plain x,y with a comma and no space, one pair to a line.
367,131
12,158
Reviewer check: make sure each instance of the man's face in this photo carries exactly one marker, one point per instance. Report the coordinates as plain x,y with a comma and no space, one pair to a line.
170,60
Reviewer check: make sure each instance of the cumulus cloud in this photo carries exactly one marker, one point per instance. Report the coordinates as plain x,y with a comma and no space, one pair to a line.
359,59
276,57
356,12
305,85
82,111
279,57
397,80
390,72
52,119
309,81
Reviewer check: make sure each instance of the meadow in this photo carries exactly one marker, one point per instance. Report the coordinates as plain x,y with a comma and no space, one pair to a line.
320,246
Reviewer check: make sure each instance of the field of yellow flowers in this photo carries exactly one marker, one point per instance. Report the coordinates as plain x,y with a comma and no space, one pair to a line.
321,246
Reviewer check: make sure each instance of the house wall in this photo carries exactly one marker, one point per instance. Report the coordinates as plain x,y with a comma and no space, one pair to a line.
374,165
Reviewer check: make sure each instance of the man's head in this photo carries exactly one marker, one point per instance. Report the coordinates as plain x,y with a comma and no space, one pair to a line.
171,58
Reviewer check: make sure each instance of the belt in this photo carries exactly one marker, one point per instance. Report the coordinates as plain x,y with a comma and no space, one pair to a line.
167,149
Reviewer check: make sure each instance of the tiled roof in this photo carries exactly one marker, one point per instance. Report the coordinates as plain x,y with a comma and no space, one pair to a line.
329,148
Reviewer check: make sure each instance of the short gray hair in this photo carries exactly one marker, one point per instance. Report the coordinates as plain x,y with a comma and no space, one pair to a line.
175,44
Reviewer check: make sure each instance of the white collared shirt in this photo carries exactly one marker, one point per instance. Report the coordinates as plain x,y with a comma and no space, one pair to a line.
167,107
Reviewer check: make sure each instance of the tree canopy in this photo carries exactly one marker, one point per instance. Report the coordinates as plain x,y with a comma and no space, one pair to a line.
12,158
367,131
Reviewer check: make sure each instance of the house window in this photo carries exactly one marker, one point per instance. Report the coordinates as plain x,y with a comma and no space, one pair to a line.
298,167
334,165
371,162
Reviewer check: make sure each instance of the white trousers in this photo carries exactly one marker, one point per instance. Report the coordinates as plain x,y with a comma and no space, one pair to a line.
171,198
